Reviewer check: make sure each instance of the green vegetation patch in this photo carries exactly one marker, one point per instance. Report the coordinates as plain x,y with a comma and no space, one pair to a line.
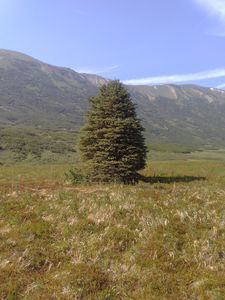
31,145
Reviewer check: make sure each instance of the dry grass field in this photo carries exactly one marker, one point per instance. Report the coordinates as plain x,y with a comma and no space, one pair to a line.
159,239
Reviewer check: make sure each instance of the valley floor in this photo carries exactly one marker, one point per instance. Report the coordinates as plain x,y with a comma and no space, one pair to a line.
159,239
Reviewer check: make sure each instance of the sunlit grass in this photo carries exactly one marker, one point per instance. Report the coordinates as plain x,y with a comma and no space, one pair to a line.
147,241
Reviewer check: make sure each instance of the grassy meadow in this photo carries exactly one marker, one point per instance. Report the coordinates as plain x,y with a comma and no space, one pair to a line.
163,238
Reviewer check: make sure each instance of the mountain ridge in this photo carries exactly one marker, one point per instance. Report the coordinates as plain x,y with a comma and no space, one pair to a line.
45,96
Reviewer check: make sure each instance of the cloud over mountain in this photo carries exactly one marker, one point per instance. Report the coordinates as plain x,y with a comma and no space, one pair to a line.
177,78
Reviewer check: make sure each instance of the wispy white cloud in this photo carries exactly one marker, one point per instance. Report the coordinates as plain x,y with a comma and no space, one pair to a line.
216,73
215,9
221,86
96,70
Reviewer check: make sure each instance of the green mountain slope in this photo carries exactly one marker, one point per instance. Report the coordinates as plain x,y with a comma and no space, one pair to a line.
185,114
38,94
43,96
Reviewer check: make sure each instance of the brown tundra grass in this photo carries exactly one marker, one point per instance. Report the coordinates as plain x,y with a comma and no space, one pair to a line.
147,241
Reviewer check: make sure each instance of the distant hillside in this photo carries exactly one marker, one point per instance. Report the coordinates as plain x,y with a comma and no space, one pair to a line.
37,94
185,114
40,95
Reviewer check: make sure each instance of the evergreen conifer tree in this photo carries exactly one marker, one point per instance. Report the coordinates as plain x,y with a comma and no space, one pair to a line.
111,142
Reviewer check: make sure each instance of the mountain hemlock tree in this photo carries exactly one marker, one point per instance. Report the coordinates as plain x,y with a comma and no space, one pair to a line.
111,142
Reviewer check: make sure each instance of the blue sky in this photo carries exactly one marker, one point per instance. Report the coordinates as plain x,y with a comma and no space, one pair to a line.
139,42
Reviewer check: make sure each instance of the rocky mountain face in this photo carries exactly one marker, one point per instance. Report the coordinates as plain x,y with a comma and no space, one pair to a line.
36,94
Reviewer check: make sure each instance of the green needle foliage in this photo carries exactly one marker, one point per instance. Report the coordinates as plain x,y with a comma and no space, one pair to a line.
111,142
